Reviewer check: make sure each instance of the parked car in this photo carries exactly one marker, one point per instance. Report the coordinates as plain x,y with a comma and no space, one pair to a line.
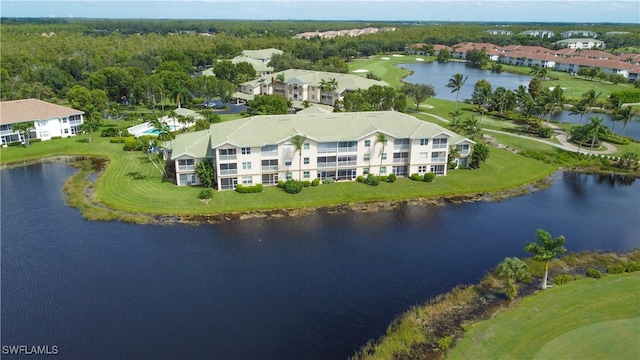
213,104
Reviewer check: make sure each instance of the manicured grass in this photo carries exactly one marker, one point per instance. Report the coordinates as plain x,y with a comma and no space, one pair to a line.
386,69
534,328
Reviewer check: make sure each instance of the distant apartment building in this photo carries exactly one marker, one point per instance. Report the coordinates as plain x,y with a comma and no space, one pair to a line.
581,43
580,33
539,33
309,85
49,120
340,146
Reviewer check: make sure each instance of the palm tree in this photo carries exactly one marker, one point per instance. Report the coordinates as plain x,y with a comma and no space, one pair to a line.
579,109
627,114
591,98
513,270
298,143
593,128
381,139
545,249
24,129
116,109
456,83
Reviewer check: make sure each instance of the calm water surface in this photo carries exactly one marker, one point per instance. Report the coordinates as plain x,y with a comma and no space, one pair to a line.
315,287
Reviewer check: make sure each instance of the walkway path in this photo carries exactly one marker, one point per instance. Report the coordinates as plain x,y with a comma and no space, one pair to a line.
559,134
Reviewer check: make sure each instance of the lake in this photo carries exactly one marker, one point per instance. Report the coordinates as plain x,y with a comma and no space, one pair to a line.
312,287
438,75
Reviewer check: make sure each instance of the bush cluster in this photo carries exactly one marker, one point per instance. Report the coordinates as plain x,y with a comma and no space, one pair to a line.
372,180
205,194
249,189
615,269
545,132
593,273
292,186
562,279
315,182
117,140
429,177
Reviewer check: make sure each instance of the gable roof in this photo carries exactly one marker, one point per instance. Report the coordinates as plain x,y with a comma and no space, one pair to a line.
345,81
345,126
261,53
17,111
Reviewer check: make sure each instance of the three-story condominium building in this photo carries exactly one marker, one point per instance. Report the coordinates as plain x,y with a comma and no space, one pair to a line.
261,150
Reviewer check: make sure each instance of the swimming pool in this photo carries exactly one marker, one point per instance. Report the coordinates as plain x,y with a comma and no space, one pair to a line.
155,131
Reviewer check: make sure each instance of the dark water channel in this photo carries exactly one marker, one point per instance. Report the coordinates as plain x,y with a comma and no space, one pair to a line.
313,287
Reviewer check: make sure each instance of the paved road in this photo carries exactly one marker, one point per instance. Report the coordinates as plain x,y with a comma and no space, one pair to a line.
559,134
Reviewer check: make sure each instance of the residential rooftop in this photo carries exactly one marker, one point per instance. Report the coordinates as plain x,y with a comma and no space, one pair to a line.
16,111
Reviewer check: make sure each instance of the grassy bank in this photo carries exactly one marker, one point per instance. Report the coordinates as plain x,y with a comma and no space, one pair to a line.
529,326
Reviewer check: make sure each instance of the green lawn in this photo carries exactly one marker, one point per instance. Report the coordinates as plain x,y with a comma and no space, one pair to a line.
131,183
386,69
586,319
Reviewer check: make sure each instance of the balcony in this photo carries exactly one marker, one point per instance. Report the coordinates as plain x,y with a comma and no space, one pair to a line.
347,163
270,168
228,172
186,167
327,164
439,159
440,146
349,149
227,157
402,160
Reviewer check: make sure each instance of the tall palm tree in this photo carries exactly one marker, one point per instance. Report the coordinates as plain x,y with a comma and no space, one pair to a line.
593,128
298,143
545,249
381,139
579,109
627,114
591,99
456,83
24,129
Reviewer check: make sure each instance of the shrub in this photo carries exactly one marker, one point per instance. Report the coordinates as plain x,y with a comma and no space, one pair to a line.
452,165
249,189
205,194
306,183
562,279
445,343
315,182
429,177
281,184
392,178
384,178
615,269
131,144
511,290
293,187
360,179
416,177
372,180
117,140
545,132
110,132
593,273
632,266
329,181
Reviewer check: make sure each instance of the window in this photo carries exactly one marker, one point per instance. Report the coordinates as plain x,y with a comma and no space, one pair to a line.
422,169
306,161
438,156
365,171
246,151
440,143
287,162
305,146
228,169
66,131
383,170
400,170
288,147
367,157
187,179
401,144
64,120
227,154
269,150
247,180
437,169
464,149
288,175
306,175
384,156
424,142
367,143
422,156
246,166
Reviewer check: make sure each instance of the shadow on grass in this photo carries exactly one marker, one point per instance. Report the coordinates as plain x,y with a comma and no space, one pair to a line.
136,175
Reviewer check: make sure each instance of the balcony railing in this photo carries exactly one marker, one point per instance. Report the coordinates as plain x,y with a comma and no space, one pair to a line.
403,160
347,149
327,164
439,159
227,157
270,168
347,163
439,146
326,151
401,147
229,172
186,167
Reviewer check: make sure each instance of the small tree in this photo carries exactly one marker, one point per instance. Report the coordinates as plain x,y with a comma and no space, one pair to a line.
545,249
513,270
205,171
24,129
479,155
298,143
418,92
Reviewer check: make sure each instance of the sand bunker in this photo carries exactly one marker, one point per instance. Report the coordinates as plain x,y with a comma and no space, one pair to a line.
398,55
385,58
360,71
419,59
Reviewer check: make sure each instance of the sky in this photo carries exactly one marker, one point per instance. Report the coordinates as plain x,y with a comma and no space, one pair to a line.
579,11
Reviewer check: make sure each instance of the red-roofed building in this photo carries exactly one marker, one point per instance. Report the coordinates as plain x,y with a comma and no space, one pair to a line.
49,120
